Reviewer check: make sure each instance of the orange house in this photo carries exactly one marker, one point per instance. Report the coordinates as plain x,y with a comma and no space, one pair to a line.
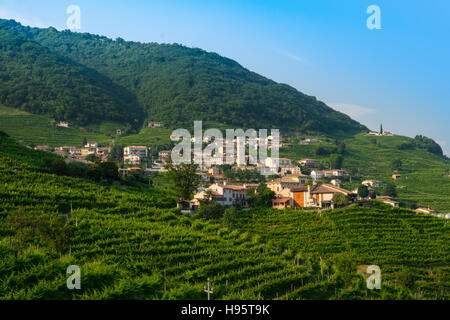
300,196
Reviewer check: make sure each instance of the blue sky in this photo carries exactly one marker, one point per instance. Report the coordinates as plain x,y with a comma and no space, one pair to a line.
398,75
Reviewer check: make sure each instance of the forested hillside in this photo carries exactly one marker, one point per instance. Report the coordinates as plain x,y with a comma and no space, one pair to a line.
37,80
178,85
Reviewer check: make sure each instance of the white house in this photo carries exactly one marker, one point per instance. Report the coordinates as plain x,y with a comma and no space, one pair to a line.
155,124
226,195
63,124
135,154
164,155
372,183
425,210
317,174
91,144
282,162
336,182
338,172
307,163
292,170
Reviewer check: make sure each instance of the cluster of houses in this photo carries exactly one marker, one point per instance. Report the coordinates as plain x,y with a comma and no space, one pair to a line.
155,124
79,154
292,189
136,155
319,174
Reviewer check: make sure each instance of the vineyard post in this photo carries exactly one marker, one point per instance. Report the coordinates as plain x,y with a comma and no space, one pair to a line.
165,283
321,267
208,289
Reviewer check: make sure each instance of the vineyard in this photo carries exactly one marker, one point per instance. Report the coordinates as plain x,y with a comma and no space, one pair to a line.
131,244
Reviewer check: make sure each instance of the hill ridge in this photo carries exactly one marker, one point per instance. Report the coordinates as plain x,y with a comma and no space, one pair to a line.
177,85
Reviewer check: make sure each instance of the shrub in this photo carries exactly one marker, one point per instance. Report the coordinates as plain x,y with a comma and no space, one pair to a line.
211,211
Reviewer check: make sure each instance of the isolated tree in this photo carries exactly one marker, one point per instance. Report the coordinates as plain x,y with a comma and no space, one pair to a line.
341,148
208,197
109,170
84,141
229,217
406,278
263,197
94,172
336,161
58,166
211,211
93,158
21,221
184,178
340,199
321,151
363,191
390,189
77,169
117,153
56,233
396,164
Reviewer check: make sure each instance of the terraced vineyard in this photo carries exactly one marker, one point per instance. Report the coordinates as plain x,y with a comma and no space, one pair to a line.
132,244
37,129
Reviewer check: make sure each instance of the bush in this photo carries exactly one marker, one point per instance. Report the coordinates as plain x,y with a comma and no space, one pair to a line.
77,169
396,164
363,191
58,166
229,217
340,199
211,211
390,189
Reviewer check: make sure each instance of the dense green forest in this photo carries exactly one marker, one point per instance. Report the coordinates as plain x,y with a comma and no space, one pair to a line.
133,244
171,83
37,80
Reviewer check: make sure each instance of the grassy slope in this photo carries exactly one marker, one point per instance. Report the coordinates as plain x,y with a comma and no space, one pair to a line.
123,244
425,180
36,129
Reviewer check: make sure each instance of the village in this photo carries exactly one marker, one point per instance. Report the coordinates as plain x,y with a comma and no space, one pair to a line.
294,183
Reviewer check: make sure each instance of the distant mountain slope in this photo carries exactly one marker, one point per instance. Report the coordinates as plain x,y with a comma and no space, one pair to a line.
178,85
37,80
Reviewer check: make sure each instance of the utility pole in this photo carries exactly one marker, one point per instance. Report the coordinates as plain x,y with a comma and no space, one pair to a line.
209,290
